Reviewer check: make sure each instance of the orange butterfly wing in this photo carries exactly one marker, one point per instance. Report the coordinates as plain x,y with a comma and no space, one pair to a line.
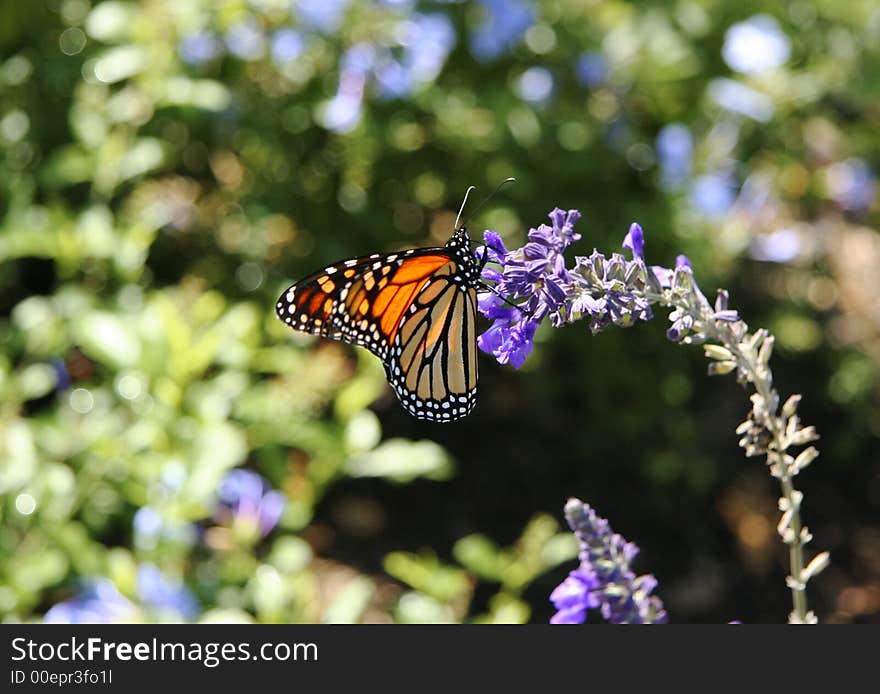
415,310
360,301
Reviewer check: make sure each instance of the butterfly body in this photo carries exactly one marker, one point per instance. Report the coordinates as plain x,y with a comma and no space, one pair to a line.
415,310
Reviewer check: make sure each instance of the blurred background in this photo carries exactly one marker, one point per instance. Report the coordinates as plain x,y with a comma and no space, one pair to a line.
170,451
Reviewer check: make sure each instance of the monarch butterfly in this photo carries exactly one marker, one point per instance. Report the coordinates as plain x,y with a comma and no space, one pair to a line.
416,310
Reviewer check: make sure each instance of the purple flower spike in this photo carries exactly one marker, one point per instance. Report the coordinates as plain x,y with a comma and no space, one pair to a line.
535,278
603,290
604,578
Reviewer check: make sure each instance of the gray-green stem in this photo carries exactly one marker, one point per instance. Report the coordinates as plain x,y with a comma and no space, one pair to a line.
780,463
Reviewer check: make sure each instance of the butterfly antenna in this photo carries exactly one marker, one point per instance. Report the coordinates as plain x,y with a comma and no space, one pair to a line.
463,203
482,204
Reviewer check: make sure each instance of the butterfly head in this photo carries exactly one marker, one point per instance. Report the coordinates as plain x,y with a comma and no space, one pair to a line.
460,246
460,242
460,237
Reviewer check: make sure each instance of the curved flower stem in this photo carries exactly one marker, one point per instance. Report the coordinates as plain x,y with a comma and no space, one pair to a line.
768,432
611,290
762,379
796,554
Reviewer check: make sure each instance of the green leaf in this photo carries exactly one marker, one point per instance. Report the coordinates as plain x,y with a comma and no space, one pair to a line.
428,575
108,339
402,461
349,603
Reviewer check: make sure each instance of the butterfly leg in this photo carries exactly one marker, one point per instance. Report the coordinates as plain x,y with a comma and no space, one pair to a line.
483,285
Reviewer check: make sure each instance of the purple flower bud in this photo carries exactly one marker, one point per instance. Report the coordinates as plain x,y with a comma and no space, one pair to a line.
676,332
635,241
662,275
726,316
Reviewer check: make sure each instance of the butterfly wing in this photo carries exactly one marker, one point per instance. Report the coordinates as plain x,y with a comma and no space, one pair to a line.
433,362
415,310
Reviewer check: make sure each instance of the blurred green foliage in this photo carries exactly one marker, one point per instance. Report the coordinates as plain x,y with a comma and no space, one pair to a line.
168,168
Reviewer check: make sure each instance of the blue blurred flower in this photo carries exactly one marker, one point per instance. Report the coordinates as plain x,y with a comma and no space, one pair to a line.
174,475
675,153
591,69
324,15
393,80
200,48
147,524
619,134
713,194
503,26
343,112
247,501
100,602
246,41
535,85
62,375
755,45
779,246
604,578
851,184
158,592
150,527
287,45
426,40
738,98
358,60
402,5
756,197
